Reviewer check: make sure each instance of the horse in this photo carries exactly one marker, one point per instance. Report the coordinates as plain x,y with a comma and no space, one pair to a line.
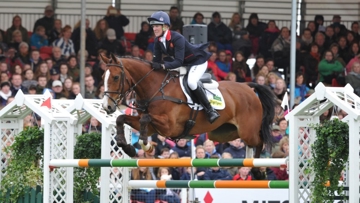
162,107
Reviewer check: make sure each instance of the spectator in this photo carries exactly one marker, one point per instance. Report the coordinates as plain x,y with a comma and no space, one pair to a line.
3,39
237,149
175,20
306,40
39,38
16,85
54,76
353,78
232,170
312,27
243,43
280,172
343,48
29,79
260,79
337,23
200,154
135,52
214,69
43,70
142,38
35,59
111,44
90,89
319,23
16,25
300,87
329,37
47,21
55,32
100,29
100,93
15,40
350,38
260,62
198,19
5,93
283,127
182,148
235,22
353,52
311,62
16,70
24,55
32,89
90,40
255,29
281,49
41,80
67,85
329,68
4,77
216,173
168,195
244,174
270,34
148,55
276,137
57,87
11,57
219,32
161,143
57,57
223,63
210,149
280,89
65,43
335,50
50,63
116,21
355,30
75,90
74,70
143,194
240,67
262,173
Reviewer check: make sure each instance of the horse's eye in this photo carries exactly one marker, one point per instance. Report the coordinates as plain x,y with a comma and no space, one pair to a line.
116,78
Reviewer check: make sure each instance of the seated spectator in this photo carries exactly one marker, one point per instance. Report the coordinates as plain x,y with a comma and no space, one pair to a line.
262,173
237,149
168,195
223,63
11,57
214,69
280,172
47,21
29,78
275,132
116,21
355,30
311,61
54,75
51,63
55,32
210,149
230,77
175,20
270,34
312,27
38,38
329,68
142,38
306,40
216,173
260,62
5,93
235,23
255,29
329,37
90,89
352,53
198,19
343,47
90,40
15,40
74,70
281,49
67,84
353,78
16,70
143,194
135,52
244,174
200,154
335,50
271,79
16,25
111,44
260,79
219,33
231,169
100,93
182,148
188,173
41,84
161,143
148,55
164,153
320,41
4,77
32,89
75,90
16,85
57,87
100,29
319,23
242,42
24,55
240,67
300,87
280,89
3,45
65,43
43,70
57,57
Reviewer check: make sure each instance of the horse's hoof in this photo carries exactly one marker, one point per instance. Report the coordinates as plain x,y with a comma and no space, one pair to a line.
129,150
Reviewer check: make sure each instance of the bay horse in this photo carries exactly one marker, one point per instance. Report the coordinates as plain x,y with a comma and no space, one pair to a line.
162,108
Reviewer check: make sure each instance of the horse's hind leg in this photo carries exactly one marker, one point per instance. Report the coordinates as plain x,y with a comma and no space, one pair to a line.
120,136
143,139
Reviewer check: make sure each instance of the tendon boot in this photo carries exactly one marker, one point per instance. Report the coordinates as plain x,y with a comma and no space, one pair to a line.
211,113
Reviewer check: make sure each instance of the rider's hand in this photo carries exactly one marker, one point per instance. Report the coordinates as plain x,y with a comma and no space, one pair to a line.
156,66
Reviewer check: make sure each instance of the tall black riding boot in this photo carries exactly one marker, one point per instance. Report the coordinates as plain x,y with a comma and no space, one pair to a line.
212,114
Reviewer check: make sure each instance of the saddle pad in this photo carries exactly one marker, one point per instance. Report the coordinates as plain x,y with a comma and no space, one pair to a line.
213,94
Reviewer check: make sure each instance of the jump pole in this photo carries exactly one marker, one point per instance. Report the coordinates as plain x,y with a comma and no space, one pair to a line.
273,184
167,163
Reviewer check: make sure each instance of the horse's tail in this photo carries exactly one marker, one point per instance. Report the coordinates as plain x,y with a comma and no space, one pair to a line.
267,99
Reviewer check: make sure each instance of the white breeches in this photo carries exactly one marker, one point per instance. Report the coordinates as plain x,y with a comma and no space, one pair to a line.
195,74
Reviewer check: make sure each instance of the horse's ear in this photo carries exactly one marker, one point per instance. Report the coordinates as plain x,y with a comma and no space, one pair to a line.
104,58
114,59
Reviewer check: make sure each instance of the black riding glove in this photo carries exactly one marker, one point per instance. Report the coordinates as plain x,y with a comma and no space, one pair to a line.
156,66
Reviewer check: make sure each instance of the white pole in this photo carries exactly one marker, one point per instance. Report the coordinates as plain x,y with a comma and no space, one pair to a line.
47,187
293,52
82,47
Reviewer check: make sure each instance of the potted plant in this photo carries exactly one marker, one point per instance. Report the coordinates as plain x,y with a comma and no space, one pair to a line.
330,153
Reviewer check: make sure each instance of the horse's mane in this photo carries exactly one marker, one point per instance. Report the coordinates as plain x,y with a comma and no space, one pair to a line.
135,58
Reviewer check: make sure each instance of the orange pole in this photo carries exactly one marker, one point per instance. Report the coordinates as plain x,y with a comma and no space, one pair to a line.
249,162
84,163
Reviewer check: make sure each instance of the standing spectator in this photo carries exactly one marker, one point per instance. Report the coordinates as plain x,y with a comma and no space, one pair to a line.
281,49
111,44
90,41
39,38
100,29
16,85
16,25
142,38
175,20
235,22
237,149
219,32
90,89
198,19
256,29
47,21
270,34
55,33
65,43
329,68
353,78
116,21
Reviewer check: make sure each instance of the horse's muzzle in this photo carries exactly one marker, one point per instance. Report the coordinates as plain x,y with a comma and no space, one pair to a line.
110,109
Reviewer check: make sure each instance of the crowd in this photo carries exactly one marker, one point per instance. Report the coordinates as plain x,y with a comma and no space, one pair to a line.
48,59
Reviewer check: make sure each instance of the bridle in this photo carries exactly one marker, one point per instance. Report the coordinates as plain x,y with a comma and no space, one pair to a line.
120,91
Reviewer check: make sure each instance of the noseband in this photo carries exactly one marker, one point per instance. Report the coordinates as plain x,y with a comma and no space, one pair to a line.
120,91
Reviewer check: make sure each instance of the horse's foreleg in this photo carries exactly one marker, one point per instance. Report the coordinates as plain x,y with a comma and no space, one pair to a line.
143,140
120,135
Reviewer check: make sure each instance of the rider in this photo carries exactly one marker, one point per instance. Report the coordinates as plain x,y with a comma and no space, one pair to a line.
183,53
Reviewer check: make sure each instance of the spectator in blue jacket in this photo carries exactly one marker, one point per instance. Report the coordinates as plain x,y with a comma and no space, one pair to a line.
39,38
217,173
182,148
237,149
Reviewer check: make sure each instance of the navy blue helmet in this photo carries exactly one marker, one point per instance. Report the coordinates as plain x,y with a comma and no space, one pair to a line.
159,18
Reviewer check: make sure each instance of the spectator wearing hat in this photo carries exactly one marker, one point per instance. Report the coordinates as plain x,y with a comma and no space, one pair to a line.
16,81
47,21
219,33
336,23
5,93
111,44
54,75
57,88
242,42
116,21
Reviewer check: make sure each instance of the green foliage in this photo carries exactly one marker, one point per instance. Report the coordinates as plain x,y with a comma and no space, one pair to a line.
23,169
88,146
330,154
